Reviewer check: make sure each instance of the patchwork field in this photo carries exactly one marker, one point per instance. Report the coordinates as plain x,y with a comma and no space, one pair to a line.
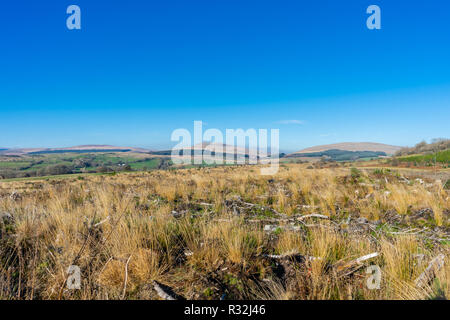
58,163
227,233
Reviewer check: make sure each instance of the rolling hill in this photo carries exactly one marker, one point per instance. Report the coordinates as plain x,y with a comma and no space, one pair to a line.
75,149
353,146
346,151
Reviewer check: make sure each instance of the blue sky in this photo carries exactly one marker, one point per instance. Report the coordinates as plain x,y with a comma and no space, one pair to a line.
137,70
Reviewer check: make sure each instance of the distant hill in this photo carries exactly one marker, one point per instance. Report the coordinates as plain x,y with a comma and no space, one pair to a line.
353,146
200,148
80,149
346,151
214,146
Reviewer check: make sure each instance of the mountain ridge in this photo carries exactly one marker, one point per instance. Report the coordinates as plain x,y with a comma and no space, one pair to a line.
81,148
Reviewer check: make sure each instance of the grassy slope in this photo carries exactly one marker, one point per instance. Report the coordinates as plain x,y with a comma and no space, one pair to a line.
441,156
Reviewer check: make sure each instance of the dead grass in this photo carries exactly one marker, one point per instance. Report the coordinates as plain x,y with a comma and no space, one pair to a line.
202,232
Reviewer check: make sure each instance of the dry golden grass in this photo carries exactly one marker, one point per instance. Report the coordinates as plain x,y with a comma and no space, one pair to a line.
202,232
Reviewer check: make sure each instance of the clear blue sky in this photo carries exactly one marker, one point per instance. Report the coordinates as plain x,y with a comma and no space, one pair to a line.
137,70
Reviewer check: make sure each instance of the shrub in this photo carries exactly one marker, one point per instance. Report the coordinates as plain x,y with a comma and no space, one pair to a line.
355,173
57,169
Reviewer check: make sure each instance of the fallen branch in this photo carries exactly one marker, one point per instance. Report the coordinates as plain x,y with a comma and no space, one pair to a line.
407,232
313,215
342,267
269,220
366,257
273,228
126,278
205,204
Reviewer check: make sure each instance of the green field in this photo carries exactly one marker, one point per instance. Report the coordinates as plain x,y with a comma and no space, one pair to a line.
14,164
145,165
55,164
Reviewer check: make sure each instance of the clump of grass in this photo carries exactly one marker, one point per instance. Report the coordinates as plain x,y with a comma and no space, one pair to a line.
447,185
355,173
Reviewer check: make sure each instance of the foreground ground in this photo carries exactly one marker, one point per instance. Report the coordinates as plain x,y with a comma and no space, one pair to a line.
227,233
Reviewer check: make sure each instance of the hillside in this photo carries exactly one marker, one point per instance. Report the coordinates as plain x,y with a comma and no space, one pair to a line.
436,145
428,158
213,148
436,153
346,151
353,146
